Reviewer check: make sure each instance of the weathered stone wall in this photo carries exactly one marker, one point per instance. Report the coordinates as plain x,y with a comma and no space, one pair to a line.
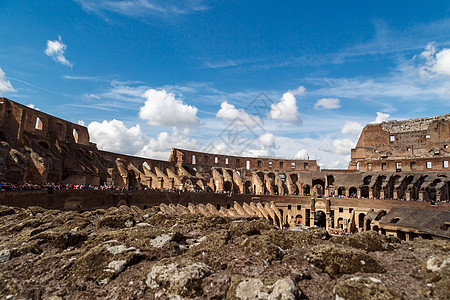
414,145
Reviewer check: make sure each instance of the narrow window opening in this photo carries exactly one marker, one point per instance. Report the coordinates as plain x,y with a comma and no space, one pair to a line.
38,124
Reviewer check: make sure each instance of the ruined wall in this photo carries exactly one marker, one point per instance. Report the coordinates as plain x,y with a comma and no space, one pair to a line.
415,145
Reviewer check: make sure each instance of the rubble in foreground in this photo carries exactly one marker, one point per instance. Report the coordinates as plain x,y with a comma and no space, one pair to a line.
129,253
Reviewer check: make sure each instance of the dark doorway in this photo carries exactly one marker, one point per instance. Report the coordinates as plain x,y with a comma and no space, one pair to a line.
320,219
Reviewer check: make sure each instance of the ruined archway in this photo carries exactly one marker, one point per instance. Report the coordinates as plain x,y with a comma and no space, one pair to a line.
341,191
248,187
353,192
361,217
298,220
320,219
318,186
306,190
227,186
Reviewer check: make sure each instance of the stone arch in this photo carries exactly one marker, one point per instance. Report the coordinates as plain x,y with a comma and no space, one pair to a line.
341,191
352,192
340,223
361,217
318,186
298,220
306,190
248,187
320,219
227,186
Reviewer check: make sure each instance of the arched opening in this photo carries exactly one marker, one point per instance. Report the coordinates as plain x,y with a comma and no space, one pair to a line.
368,225
318,186
306,190
341,191
145,166
132,181
320,219
365,191
352,192
361,221
282,177
275,190
340,223
227,186
248,187
298,220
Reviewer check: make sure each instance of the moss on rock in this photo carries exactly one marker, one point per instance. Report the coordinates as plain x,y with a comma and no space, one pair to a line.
366,240
364,288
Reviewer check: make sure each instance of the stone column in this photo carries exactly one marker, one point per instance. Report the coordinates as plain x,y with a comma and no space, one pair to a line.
358,192
160,182
370,193
381,193
420,195
395,194
408,194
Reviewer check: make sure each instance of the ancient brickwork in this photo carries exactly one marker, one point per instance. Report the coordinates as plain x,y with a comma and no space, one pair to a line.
414,145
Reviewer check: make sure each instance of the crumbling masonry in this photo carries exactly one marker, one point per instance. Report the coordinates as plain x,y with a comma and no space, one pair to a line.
393,160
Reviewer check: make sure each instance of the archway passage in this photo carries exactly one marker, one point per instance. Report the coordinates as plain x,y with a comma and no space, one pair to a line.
320,219
361,221
306,190
298,220
341,191
352,192
248,187
227,186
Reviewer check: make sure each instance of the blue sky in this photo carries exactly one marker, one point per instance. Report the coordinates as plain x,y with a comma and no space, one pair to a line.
268,78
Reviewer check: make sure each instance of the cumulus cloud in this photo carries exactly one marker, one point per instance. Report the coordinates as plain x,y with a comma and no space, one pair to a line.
286,109
381,117
163,109
114,136
339,146
327,103
160,147
351,128
267,140
228,112
302,154
5,85
56,49
300,91
437,62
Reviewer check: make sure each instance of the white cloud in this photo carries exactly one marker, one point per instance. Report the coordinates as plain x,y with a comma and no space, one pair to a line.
286,109
381,117
91,96
300,91
141,8
5,85
267,140
56,49
339,146
228,112
327,103
163,109
31,105
114,136
302,154
351,128
436,62
160,147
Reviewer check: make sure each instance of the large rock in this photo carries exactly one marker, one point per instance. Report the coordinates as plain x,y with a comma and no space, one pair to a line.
263,288
253,227
357,288
437,275
271,245
366,240
337,261
182,277
104,262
